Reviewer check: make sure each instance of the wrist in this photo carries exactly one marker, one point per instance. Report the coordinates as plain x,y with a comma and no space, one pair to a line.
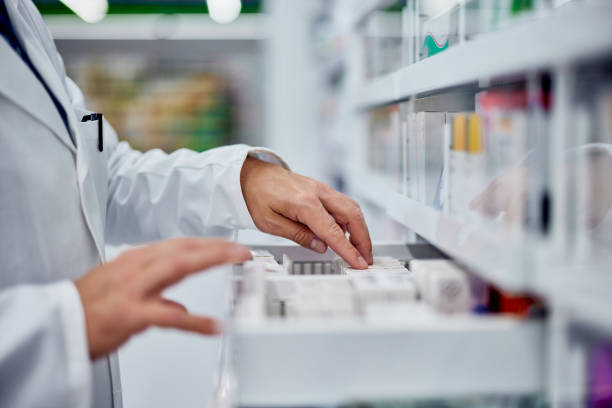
252,169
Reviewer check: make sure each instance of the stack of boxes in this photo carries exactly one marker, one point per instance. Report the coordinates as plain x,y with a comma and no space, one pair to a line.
386,288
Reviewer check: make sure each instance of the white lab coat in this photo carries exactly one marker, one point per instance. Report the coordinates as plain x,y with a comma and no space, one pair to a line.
60,204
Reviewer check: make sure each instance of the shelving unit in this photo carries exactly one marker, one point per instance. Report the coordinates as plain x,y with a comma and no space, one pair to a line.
557,41
499,261
584,298
418,354
323,363
510,51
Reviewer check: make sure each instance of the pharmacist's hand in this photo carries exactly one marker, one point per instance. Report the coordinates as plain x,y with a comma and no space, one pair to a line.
306,211
123,297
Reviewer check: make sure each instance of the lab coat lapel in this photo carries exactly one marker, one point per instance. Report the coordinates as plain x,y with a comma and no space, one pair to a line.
53,76
15,73
45,68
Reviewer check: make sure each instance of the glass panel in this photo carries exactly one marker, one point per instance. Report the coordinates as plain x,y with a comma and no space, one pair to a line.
384,153
588,167
382,38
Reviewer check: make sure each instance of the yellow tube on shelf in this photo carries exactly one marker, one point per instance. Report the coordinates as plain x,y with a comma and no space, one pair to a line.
459,130
474,133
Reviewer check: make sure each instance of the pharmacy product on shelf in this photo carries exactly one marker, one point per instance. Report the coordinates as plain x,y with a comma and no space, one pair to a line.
479,294
385,291
250,306
312,266
457,160
309,296
267,259
442,285
262,255
505,127
475,165
439,28
512,304
599,375
381,263
384,295
468,175
430,156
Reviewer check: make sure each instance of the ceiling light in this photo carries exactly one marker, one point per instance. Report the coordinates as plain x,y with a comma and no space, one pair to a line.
90,11
224,11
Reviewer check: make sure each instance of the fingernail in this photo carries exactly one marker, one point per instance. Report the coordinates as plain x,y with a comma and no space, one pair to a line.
317,245
241,252
362,263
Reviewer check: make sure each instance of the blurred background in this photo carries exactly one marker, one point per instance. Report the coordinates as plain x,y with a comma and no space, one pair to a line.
482,127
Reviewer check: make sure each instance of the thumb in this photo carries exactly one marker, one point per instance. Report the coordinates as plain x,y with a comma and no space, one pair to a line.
298,233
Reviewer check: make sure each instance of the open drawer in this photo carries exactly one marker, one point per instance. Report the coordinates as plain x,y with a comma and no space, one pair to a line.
422,355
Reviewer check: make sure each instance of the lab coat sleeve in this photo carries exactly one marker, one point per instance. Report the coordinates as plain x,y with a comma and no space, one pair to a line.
44,357
155,195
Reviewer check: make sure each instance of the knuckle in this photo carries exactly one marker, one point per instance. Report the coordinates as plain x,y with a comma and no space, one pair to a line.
317,186
334,230
179,264
306,212
270,226
302,236
305,198
321,188
355,212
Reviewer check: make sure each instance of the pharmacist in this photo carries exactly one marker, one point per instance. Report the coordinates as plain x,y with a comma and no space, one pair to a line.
68,187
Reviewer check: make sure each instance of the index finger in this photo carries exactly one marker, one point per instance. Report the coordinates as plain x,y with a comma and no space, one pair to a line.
326,228
177,260
347,212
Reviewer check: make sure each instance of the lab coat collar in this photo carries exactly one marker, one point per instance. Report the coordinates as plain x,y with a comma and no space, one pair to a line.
15,73
27,98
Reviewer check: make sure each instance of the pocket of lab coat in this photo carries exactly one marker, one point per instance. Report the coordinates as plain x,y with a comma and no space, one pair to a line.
96,161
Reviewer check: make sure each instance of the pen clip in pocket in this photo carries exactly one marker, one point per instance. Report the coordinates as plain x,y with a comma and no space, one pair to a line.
96,117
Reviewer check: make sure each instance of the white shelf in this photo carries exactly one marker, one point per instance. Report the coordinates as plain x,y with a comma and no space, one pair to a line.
326,363
366,7
156,27
481,245
583,295
573,33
